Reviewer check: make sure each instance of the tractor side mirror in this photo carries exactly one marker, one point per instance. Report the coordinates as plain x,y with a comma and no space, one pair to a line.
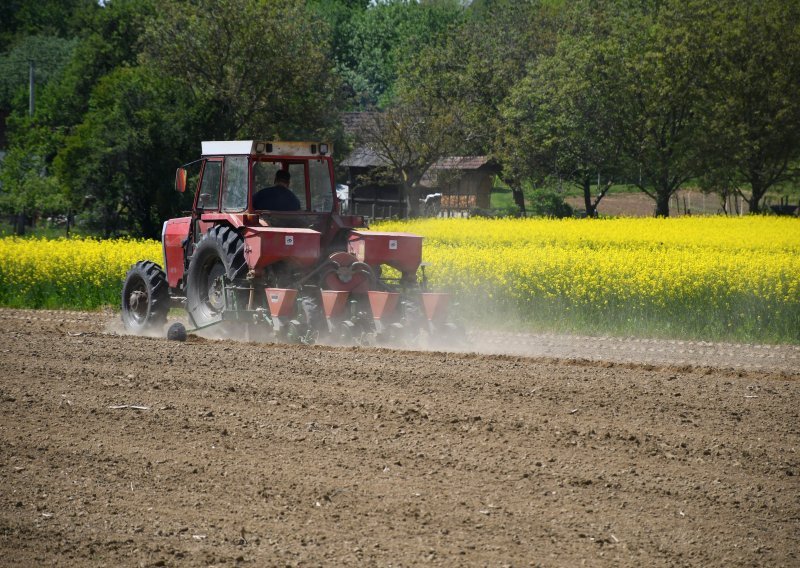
180,180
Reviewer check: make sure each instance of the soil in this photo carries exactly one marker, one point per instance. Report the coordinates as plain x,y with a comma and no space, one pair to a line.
120,450
640,205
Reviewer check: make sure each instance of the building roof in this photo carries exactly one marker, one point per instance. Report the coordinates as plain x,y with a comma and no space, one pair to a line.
363,157
456,164
461,163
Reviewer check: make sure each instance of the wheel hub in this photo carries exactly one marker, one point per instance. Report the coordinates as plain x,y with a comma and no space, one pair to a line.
215,294
136,298
344,273
216,287
138,304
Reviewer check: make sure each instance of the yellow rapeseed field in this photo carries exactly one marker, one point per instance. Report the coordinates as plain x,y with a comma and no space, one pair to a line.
707,277
723,276
68,273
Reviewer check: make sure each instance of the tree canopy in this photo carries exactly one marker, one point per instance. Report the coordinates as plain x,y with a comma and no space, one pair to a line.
657,94
267,74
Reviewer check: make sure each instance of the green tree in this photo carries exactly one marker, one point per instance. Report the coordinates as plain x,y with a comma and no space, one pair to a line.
49,54
379,41
752,126
118,165
108,39
339,15
55,18
410,136
260,71
563,121
664,72
111,38
28,190
471,70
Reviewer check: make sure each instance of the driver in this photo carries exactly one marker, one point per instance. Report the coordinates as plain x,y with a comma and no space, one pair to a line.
277,197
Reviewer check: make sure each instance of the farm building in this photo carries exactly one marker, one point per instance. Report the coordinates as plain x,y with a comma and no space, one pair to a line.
464,182
452,186
372,196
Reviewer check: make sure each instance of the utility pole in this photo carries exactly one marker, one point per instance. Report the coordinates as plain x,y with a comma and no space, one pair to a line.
31,91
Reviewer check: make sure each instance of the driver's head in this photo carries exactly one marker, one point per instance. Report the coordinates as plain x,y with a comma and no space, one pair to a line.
283,177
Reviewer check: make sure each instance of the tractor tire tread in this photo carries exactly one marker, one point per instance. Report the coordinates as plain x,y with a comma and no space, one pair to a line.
229,247
233,245
158,294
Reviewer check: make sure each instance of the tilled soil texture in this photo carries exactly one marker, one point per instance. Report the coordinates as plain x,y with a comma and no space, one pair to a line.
137,451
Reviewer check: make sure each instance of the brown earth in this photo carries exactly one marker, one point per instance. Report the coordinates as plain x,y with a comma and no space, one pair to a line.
641,205
262,454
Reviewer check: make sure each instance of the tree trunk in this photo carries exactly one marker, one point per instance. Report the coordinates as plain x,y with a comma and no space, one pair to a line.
519,199
412,201
662,204
19,224
754,203
587,198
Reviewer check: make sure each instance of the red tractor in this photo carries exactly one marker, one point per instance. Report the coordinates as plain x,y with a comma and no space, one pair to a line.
281,259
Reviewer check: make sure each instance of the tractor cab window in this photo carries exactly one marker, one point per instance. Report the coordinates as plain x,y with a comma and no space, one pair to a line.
208,200
298,183
321,187
264,177
234,195
186,199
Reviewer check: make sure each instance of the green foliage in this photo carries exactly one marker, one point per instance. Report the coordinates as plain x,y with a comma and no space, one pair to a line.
752,126
267,74
53,18
110,39
49,54
117,165
547,202
27,189
378,42
563,121
472,69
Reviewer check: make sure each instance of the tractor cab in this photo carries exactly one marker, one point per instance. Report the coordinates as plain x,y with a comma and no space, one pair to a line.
228,178
230,173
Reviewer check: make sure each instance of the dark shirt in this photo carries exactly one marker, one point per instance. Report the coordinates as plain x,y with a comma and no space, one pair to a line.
276,198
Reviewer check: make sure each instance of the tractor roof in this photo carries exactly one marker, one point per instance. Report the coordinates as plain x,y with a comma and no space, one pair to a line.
265,148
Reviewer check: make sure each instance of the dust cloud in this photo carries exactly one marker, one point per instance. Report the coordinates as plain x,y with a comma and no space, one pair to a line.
491,341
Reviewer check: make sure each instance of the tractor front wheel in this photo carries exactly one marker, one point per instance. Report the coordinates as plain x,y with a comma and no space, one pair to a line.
145,297
217,261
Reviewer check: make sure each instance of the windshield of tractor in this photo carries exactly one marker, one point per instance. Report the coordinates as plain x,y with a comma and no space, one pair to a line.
321,187
234,196
310,182
265,183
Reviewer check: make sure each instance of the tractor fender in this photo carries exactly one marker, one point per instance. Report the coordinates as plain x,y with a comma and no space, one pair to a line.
173,240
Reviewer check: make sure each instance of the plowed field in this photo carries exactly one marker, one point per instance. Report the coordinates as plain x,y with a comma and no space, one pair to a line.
134,451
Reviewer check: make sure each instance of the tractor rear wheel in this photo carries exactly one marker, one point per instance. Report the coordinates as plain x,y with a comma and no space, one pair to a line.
145,297
218,261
